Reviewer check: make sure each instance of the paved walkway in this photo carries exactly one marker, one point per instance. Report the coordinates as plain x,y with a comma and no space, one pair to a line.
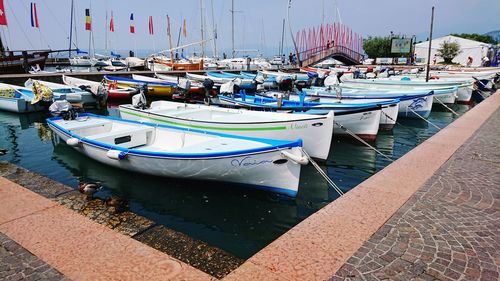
449,229
19,264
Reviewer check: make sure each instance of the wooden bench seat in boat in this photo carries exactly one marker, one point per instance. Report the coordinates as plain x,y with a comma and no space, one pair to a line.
128,138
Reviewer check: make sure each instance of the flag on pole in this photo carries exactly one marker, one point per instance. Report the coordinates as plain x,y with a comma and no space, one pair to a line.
168,25
184,28
132,27
34,16
111,23
87,19
3,17
151,27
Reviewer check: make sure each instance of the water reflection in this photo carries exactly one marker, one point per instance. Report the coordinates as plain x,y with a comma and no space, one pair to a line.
241,221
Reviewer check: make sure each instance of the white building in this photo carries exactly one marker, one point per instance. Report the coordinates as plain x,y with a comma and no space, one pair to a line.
476,50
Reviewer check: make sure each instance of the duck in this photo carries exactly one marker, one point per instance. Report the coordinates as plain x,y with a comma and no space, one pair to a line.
89,188
119,204
3,151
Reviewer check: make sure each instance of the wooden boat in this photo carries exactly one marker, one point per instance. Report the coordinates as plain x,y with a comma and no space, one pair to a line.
194,87
186,66
17,99
72,94
444,92
465,85
362,120
387,118
316,131
113,91
163,89
169,151
221,78
412,104
21,62
243,83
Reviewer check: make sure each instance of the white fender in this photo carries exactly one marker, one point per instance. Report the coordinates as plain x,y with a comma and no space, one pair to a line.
302,159
73,142
116,154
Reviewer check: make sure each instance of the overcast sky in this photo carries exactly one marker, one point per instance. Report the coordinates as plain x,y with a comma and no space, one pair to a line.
257,22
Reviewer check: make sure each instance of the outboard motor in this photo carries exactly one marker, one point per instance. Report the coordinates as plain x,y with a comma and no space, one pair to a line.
139,100
62,108
208,85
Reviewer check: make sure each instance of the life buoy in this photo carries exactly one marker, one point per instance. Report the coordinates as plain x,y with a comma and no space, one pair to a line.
113,85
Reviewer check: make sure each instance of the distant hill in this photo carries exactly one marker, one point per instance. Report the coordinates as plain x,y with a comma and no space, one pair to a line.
495,34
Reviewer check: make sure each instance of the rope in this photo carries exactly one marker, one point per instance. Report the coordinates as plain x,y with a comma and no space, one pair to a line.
362,141
421,117
452,111
390,118
322,173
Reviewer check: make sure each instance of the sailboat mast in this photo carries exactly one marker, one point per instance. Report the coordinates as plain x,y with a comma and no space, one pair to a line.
70,28
282,38
202,31
232,25
106,34
214,30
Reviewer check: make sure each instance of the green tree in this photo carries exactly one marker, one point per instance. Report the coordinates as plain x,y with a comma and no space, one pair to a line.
477,37
448,51
377,47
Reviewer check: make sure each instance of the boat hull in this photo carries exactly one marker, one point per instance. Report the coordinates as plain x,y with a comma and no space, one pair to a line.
316,132
18,105
263,170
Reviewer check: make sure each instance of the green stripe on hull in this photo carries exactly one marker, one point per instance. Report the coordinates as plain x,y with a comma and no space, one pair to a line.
276,128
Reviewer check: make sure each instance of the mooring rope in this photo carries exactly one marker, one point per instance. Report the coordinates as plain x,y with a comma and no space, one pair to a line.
323,174
396,121
414,112
442,103
362,141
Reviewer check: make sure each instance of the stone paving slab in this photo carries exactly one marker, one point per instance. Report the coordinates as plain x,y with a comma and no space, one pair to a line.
19,264
449,229
318,246
80,248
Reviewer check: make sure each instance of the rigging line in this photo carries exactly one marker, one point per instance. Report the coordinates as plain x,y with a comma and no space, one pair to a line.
445,106
322,173
421,117
395,120
362,141
53,16
22,29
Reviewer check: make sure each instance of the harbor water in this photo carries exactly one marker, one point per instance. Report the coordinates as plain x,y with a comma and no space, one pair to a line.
238,220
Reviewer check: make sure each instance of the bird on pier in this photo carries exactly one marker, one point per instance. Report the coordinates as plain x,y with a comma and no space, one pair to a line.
119,204
89,188
3,151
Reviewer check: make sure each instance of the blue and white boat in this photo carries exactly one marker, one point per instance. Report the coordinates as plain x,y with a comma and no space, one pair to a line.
17,99
444,92
413,104
222,78
71,94
169,151
362,120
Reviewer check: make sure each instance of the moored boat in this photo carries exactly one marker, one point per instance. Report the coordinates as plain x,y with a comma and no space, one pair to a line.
112,90
361,120
164,89
72,94
169,151
17,99
316,131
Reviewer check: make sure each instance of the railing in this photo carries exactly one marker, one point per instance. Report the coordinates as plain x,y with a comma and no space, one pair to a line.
321,52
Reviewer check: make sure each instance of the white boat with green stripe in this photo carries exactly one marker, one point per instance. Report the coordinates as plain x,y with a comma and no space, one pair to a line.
316,131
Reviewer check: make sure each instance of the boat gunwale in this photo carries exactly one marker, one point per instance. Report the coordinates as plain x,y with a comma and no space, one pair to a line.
316,117
282,144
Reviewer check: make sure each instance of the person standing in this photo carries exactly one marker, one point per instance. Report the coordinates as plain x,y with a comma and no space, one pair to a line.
469,61
290,58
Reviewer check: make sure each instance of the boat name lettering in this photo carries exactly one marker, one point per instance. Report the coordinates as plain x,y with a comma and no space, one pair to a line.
365,115
417,103
296,126
248,161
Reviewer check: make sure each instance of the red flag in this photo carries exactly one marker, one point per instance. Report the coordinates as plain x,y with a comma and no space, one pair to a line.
111,23
168,25
151,27
132,27
3,17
